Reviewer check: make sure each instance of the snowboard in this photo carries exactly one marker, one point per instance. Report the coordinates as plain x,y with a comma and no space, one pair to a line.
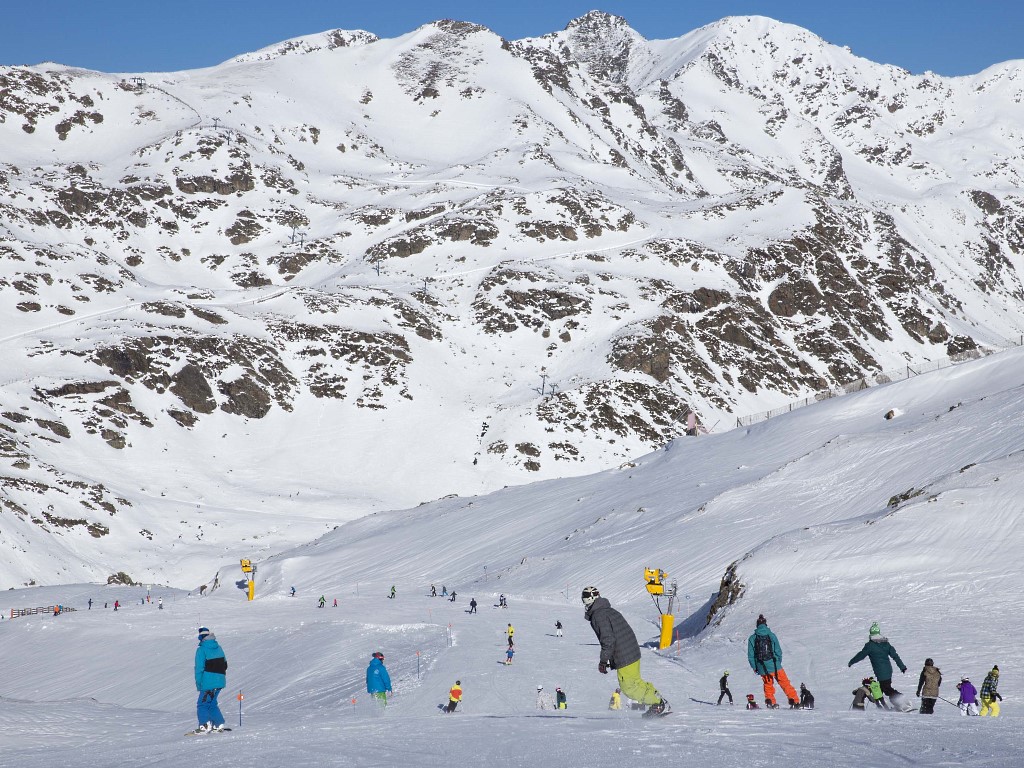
206,733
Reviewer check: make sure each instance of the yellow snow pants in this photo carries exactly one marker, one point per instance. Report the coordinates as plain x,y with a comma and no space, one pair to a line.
635,687
989,707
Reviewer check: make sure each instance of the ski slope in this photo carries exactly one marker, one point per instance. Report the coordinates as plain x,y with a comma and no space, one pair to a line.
801,504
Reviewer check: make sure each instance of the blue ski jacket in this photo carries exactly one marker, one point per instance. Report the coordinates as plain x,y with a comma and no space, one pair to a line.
771,666
209,650
377,678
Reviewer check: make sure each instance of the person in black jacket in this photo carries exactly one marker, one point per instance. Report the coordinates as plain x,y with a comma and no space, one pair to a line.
621,652
723,686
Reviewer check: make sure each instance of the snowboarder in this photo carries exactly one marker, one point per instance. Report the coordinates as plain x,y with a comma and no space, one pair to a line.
621,652
509,654
510,632
751,704
160,603
451,599
323,601
454,697
723,687
928,687
879,651
444,591
472,605
806,697
544,700
392,595
558,629
211,668
764,654
293,591
968,701
990,697
560,700
860,694
433,591
615,702
378,681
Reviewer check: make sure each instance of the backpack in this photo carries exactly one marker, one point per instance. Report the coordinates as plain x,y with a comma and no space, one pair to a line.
764,650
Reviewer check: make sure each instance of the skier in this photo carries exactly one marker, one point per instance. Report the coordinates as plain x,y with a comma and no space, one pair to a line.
620,651
378,681
990,697
968,701
544,700
723,687
454,697
751,704
160,603
875,689
928,687
558,629
451,599
509,654
90,603
879,651
472,605
615,702
444,591
510,632
323,601
210,670
860,694
560,700
335,602
293,591
502,602
117,604
764,654
392,595
806,697
433,591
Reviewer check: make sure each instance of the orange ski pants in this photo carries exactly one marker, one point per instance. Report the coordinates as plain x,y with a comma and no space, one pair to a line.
783,681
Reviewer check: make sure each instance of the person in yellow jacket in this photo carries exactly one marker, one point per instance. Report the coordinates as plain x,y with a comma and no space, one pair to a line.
615,702
511,631
454,697
990,697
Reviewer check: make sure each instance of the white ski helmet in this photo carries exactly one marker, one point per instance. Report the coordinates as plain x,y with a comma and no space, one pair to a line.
590,594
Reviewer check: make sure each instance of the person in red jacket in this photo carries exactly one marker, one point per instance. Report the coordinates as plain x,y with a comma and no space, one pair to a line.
454,697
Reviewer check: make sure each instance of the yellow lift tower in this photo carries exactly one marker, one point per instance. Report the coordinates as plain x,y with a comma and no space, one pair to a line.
655,579
250,574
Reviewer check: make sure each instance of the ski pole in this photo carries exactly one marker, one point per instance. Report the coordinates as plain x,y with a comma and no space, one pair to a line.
949,702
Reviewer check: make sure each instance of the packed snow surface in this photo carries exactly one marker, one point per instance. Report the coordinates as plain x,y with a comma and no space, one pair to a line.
833,516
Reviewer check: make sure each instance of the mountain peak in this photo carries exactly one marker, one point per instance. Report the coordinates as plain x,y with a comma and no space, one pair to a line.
597,20
604,43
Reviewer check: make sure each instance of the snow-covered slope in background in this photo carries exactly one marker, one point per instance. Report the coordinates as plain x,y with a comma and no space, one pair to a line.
825,520
343,274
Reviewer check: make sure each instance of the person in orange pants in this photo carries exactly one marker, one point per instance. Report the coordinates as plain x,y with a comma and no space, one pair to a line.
764,653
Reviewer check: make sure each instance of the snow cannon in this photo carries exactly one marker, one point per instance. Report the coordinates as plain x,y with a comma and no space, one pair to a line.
250,574
655,583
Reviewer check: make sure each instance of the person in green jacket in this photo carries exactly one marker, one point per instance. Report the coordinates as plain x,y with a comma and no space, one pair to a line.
878,649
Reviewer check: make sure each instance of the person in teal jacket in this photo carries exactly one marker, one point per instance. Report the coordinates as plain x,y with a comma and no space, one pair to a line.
764,654
878,649
211,667
378,681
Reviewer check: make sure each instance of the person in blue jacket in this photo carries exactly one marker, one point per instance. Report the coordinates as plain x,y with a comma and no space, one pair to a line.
378,681
878,649
764,654
211,669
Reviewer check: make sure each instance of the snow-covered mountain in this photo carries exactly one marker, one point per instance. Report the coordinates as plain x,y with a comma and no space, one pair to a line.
346,274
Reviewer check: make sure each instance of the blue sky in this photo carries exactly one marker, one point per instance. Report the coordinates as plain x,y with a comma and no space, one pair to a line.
949,37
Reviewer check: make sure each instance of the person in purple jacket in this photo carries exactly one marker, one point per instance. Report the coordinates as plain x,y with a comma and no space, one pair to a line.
968,702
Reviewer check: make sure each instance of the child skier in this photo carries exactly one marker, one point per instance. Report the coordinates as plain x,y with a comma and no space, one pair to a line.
723,687
544,700
509,654
877,697
968,702
560,700
751,704
806,697
615,702
860,694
